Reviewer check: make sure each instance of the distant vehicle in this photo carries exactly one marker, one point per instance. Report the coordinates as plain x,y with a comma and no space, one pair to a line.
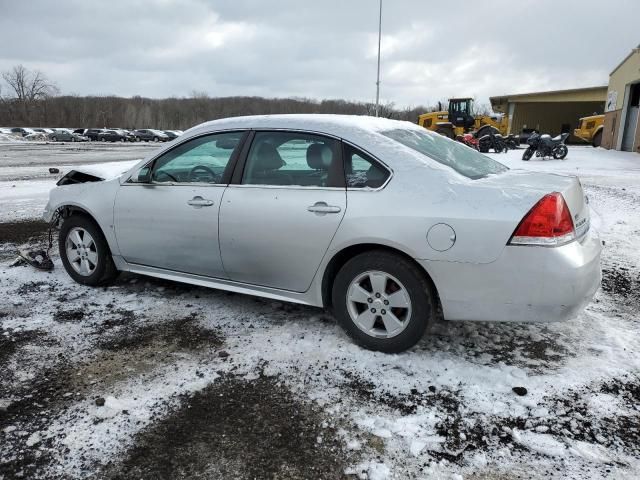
460,118
341,212
43,130
93,133
545,146
66,135
113,136
23,132
590,129
172,134
149,135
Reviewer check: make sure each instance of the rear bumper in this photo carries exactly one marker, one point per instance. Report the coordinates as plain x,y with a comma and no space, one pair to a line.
525,284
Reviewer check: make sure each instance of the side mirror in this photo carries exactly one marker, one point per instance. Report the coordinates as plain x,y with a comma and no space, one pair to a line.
144,175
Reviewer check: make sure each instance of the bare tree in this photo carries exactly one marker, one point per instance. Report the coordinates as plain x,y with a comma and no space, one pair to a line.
29,85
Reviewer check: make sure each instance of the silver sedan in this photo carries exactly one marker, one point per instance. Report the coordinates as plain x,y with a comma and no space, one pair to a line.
384,223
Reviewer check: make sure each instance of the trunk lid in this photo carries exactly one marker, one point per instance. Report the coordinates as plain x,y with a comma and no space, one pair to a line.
540,184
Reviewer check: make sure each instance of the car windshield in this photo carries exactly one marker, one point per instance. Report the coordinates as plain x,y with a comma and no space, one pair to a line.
464,160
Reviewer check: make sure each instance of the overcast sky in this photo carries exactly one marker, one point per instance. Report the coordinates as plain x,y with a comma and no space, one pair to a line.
319,49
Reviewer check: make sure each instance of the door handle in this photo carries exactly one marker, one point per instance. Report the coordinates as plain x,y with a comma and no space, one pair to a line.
321,208
199,202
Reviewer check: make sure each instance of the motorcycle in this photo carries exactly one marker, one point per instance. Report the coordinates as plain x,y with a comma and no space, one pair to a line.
545,146
489,137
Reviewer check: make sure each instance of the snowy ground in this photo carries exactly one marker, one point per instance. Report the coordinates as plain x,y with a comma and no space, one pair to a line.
152,379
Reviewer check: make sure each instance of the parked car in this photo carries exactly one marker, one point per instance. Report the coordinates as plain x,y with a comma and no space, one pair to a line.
149,135
93,133
65,135
23,132
113,136
172,134
43,130
384,223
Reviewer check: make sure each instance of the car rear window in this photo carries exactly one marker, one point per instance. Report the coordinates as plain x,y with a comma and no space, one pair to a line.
464,160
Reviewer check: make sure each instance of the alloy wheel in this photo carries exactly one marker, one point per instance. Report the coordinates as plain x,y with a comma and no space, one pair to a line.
82,251
379,304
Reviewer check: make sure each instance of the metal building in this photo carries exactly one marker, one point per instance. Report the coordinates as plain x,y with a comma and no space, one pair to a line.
621,130
552,112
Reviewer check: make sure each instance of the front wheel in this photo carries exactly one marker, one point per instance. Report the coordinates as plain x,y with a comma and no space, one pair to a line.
560,152
84,252
383,301
55,139
528,153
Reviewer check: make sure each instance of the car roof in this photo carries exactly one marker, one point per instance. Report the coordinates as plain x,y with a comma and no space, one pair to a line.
322,123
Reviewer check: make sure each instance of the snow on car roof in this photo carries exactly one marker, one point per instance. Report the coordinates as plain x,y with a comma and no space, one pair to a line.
328,123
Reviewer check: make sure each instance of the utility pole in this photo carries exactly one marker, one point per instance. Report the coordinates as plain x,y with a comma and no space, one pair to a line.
378,76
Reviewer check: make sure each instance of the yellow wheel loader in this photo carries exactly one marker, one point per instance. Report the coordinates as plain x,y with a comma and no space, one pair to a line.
460,119
590,129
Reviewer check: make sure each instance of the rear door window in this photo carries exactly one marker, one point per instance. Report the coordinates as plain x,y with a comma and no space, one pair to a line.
362,171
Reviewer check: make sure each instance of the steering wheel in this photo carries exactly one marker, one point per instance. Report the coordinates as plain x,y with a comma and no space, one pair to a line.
162,172
205,169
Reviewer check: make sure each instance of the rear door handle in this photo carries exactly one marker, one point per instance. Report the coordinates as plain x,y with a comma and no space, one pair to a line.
199,202
322,208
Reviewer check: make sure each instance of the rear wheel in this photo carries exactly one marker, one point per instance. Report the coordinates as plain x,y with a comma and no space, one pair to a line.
560,152
84,252
55,139
383,301
155,139
528,153
597,139
103,139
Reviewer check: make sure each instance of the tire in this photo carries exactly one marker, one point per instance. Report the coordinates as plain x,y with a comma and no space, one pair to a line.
73,139
156,139
103,139
528,153
55,139
137,139
397,274
560,152
446,132
597,139
122,139
100,268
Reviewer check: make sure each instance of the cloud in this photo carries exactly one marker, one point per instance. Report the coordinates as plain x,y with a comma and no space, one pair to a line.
430,50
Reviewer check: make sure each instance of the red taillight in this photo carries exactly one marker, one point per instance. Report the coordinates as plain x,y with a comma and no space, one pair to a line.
547,223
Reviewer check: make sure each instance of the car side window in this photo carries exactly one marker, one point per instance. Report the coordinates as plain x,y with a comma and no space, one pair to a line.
201,160
361,171
293,159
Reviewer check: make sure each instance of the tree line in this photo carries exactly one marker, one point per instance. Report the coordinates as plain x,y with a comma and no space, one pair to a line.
30,99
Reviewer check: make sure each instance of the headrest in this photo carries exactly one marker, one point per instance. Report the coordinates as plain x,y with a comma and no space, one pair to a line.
268,158
319,156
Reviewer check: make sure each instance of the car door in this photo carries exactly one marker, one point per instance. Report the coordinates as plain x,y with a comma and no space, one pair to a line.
282,209
168,217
